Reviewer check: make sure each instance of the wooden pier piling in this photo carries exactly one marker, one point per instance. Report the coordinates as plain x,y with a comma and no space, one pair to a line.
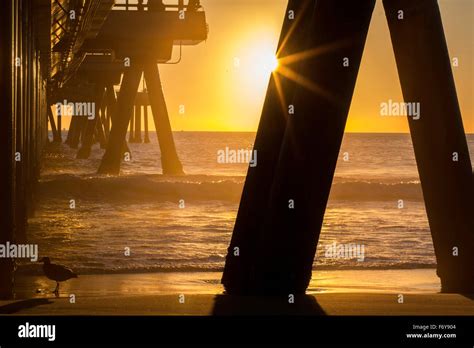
441,152
138,124
145,121
102,130
284,245
92,125
7,148
46,57
239,276
60,131
169,157
73,128
311,146
23,125
112,113
131,133
124,111
54,130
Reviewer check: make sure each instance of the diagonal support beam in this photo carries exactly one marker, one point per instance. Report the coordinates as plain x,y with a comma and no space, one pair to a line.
112,113
138,124
241,254
72,129
124,110
92,125
308,155
145,120
169,157
56,135
438,137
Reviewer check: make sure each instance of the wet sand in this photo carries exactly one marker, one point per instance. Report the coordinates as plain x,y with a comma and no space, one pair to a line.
167,283
341,292
199,305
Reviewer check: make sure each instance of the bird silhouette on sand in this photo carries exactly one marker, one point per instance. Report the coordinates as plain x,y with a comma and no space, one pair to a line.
57,273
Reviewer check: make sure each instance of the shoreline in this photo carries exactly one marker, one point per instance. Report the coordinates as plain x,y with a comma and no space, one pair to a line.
421,281
343,292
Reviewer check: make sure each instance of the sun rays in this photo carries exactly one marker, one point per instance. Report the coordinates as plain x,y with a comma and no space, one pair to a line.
290,64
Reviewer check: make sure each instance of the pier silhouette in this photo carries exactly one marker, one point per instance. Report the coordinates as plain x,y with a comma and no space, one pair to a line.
99,52
284,198
60,52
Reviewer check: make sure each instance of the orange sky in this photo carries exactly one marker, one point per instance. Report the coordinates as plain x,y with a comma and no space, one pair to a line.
220,96
222,82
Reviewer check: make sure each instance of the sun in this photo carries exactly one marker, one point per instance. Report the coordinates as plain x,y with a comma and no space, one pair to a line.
267,62
273,63
262,63
258,56
256,63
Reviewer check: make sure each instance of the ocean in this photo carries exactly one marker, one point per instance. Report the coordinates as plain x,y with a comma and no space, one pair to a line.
142,222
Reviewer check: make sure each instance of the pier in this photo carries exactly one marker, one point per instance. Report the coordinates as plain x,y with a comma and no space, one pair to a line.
284,198
99,62
59,56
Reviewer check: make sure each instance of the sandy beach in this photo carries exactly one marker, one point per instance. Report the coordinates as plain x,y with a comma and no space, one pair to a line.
346,292
198,305
165,283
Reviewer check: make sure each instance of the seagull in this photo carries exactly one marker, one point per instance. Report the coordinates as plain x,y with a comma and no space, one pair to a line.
57,273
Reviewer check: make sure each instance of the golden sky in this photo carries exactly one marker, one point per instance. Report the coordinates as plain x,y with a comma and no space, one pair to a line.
222,82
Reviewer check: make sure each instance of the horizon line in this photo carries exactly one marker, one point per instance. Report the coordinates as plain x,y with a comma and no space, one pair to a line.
244,131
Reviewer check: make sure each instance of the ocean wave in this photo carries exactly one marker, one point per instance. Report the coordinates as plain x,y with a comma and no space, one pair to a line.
143,188
376,191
